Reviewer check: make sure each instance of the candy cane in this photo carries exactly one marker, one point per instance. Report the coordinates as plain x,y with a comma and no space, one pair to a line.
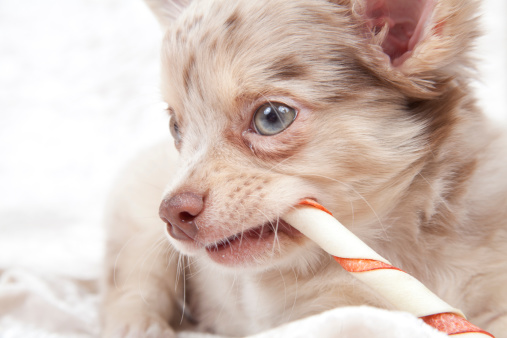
401,289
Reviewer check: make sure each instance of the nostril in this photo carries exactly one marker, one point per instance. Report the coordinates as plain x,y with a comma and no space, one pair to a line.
186,217
177,232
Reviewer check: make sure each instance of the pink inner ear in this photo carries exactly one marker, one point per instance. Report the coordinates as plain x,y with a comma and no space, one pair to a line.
406,20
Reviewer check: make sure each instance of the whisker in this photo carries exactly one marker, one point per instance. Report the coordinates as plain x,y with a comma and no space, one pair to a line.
194,263
118,257
285,291
276,240
269,222
171,253
295,296
158,246
179,267
227,294
444,202
242,226
358,194
184,293
352,212
143,257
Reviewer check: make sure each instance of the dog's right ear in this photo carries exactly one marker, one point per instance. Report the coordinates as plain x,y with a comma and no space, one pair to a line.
167,11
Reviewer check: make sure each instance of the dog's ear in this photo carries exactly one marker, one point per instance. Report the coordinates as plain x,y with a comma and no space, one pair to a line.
167,11
424,41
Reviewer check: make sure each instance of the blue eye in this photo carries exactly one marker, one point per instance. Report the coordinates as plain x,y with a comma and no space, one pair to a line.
175,130
272,118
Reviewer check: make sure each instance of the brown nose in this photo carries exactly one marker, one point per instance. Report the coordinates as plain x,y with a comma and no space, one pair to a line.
180,212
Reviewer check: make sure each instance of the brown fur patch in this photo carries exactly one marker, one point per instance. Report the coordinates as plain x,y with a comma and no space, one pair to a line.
439,115
287,68
233,21
188,71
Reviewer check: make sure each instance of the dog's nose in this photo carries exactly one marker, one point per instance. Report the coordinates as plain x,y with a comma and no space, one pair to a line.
179,213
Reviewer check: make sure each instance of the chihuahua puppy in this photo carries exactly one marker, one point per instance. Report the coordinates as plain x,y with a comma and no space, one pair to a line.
362,105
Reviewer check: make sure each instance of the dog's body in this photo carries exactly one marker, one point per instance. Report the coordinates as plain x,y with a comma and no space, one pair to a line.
374,119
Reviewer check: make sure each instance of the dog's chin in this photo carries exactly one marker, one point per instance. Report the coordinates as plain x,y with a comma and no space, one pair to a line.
256,248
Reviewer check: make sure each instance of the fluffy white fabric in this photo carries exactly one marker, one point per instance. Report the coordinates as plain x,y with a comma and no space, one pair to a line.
356,322
78,97
37,305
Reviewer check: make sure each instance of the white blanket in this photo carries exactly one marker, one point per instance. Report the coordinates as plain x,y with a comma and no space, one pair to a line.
35,305
78,97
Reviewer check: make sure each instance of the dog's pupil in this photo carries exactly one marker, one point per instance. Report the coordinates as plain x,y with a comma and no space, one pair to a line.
271,115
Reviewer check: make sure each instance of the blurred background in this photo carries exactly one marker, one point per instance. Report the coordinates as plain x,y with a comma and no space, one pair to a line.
79,96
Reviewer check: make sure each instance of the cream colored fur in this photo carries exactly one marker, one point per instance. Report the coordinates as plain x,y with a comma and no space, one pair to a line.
398,151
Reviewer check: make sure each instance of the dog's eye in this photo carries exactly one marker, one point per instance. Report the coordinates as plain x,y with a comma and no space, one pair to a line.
273,117
175,130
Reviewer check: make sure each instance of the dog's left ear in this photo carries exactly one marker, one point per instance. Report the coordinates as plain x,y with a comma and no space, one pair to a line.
417,42
167,11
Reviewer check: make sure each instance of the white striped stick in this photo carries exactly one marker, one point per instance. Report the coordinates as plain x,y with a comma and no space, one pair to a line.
401,289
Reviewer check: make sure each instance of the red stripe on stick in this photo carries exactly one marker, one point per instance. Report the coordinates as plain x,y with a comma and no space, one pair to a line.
362,265
452,324
314,204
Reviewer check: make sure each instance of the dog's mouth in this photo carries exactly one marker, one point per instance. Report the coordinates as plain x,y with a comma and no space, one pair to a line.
258,233
251,244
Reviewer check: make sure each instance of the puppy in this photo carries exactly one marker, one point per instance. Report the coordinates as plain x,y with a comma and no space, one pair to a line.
362,105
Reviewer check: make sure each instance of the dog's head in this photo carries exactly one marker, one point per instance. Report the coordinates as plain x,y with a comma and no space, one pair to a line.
273,101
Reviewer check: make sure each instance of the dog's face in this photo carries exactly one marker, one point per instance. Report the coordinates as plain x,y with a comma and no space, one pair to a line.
273,101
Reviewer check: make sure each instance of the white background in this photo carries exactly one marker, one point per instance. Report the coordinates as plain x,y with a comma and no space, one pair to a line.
79,97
